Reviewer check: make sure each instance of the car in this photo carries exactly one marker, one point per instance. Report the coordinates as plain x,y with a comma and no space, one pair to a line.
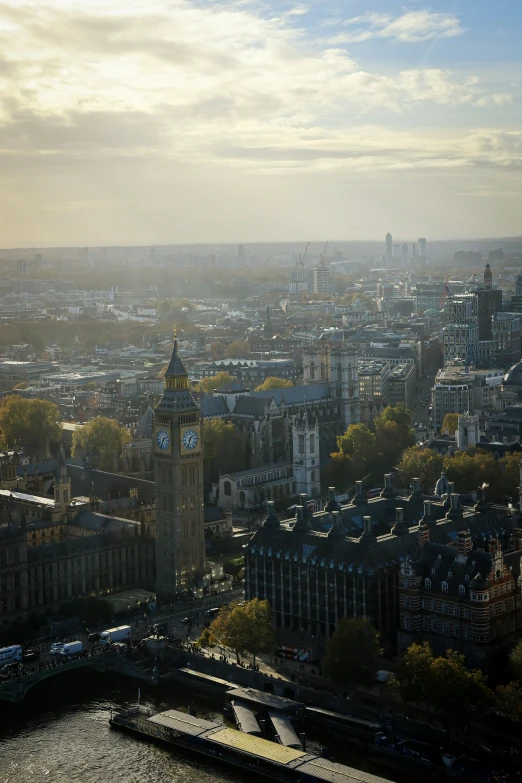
187,620
56,648
31,655
94,636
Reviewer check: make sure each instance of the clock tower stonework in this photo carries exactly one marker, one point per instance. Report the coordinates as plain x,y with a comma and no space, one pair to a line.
178,474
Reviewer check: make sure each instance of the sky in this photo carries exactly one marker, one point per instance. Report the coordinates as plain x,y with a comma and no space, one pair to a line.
153,121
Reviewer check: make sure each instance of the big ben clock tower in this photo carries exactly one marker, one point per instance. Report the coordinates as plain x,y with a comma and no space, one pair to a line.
178,473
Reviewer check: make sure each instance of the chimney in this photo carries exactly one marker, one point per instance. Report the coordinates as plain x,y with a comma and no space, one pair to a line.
518,539
464,543
336,531
388,491
399,516
302,501
271,519
423,535
367,534
427,509
359,498
494,545
455,510
416,485
400,526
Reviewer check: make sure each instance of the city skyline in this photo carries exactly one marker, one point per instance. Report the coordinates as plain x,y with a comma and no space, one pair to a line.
239,122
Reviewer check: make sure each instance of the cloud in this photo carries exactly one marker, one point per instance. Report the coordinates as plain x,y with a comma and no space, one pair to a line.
102,96
410,27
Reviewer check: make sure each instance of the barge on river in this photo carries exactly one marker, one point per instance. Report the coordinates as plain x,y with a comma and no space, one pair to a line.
244,751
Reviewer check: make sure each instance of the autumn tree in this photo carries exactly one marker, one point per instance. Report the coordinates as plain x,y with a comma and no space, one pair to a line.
393,434
422,463
243,628
472,467
32,423
509,701
451,422
101,436
458,692
358,444
217,381
414,681
225,449
516,661
272,382
351,653
238,349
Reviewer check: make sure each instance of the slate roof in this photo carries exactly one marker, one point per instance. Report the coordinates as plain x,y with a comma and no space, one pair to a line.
296,395
180,400
213,406
105,484
90,520
251,406
440,563
370,553
176,367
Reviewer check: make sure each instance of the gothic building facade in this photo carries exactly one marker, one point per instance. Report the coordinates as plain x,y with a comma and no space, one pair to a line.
178,473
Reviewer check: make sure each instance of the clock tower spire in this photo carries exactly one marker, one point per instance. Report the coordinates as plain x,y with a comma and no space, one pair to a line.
178,473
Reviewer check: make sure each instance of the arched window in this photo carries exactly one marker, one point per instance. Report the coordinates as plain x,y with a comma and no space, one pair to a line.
462,590
339,372
312,371
427,584
444,587
227,488
323,371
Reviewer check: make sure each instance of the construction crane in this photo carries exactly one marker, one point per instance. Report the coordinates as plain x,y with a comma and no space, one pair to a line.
444,293
301,259
323,257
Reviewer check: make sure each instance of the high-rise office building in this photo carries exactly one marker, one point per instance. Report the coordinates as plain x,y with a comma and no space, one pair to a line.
422,247
489,303
389,249
404,254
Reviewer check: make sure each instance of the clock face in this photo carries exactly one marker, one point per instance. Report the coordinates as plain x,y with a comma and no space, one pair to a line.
162,439
190,440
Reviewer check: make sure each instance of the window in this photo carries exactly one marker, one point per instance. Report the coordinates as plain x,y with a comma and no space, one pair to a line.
462,590
444,587
301,444
227,488
312,444
427,584
312,371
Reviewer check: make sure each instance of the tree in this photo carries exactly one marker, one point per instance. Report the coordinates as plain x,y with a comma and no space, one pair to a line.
467,469
22,385
393,433
510,475
516,661
414,674
273,383
245,628
237,350
457,692
217,381
351,653
102,436
224,449
337,472
33,423
451,422
424,464
509,701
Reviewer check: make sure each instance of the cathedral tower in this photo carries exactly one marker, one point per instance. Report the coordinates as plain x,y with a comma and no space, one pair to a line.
178,473
306,456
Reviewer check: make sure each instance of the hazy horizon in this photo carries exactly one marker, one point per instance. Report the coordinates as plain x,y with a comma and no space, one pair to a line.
175,122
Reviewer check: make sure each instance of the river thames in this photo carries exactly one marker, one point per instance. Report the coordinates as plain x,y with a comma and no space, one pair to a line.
61,735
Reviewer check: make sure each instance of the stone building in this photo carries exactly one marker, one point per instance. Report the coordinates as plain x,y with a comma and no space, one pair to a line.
346,561
457,597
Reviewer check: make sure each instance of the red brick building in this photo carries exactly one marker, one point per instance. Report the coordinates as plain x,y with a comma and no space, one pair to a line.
457,597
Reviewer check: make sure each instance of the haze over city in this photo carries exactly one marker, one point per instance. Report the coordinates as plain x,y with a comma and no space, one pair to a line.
163,121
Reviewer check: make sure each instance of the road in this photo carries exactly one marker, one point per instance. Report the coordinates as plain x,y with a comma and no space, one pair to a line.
421,414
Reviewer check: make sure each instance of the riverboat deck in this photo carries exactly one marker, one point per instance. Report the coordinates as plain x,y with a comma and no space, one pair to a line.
242,750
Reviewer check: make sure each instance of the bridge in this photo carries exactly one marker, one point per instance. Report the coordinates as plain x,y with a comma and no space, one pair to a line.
15,690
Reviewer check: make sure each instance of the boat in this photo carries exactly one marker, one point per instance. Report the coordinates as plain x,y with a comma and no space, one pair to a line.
229,746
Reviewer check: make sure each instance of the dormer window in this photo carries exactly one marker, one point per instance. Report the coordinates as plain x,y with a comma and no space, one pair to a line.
450,574
432,570
444,587
462,590
427,584
467,577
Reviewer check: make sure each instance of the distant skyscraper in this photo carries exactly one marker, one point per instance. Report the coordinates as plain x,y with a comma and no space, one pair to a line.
422,247
389,249
404,253
488,278
240,254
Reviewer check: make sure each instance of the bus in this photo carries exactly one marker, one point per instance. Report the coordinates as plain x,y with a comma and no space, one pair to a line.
10,654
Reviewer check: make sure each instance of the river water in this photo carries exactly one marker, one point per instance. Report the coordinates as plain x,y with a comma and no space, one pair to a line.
60,734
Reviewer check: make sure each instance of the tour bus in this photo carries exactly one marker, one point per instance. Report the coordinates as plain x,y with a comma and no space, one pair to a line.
10,654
